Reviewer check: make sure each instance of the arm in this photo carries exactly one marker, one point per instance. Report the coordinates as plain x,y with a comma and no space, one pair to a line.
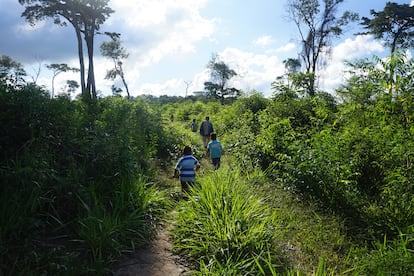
176,173
201,128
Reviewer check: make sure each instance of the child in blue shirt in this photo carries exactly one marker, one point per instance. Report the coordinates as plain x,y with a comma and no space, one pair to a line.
185,168
215,148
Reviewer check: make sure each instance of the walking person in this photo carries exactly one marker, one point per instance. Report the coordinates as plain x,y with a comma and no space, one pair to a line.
185,169
206,129
215,148
194,126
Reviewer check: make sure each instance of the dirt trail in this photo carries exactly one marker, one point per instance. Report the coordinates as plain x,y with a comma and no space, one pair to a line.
156,259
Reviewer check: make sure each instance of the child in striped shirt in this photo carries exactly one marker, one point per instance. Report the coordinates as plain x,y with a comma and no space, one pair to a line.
185,168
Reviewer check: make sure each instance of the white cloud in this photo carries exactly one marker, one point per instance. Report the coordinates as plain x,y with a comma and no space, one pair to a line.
26,29
361,46
198,81
158,28
265,40
147,13
155,30
412,3
255,71
286,48
171,87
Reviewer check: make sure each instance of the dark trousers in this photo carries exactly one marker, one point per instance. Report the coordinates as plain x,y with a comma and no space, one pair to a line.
216,162
185,185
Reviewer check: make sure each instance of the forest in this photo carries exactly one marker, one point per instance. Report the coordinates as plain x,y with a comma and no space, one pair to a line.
311,183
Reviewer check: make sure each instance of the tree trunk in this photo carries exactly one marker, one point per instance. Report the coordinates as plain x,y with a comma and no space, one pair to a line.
89,35
85,92
125,84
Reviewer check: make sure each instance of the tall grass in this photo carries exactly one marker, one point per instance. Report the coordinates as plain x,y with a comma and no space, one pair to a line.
109,229
389,257
225,228
73,196
39,237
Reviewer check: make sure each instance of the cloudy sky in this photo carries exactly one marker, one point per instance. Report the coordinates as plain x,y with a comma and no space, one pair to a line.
170,43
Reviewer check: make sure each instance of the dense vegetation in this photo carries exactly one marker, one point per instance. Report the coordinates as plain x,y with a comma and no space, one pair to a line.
76,189
350,158
309,184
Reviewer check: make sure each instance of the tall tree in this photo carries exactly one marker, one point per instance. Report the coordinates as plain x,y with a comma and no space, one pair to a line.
292,66
220,74
12,72
117,53
86,17
57,69
71,86
284,84
395,24
317,26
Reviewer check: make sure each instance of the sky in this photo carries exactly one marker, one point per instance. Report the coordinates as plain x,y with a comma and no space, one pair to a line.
170,43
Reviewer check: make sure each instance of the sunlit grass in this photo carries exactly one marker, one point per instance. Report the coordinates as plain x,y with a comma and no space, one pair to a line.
109,229
224,226
310,241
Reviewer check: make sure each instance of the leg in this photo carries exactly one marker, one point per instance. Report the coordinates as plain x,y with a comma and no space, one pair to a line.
216,163
184,186
206,139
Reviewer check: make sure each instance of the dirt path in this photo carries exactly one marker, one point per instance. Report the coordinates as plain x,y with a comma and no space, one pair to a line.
156,259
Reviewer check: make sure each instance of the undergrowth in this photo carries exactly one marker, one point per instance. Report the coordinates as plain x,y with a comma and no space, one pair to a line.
244,224
225,228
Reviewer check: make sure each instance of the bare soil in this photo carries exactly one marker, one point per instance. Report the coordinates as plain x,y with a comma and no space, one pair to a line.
157,259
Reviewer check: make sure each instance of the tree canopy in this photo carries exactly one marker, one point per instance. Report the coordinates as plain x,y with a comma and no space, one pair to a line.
317,26
395,24
113,50
57,69
11,71
220,74
86,16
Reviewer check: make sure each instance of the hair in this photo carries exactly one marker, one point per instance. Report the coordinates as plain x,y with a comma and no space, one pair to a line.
187,150
207,118
213,136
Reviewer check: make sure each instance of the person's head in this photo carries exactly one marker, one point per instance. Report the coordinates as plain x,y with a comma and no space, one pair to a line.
193,120
207,118
187,150
213,136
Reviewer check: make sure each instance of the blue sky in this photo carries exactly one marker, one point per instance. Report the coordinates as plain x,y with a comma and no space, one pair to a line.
171,42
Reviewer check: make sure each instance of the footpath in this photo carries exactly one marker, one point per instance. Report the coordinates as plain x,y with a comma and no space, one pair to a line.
157,259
